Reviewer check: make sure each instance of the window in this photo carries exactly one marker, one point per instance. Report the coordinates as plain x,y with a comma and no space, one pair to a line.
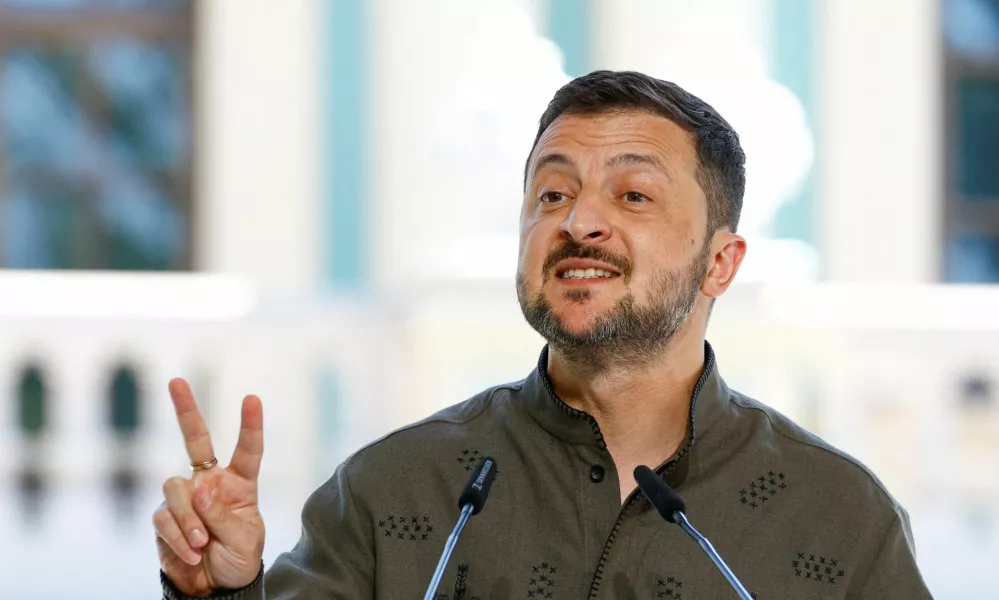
32,402
971,249
33,406
95,134
124,402
125,412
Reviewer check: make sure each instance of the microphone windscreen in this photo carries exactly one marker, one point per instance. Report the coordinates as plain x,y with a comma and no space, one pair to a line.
477,488
662,497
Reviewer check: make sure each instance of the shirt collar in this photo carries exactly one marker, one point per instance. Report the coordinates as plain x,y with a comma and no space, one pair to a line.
708,401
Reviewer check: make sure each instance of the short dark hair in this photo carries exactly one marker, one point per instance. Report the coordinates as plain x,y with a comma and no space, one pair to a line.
722,168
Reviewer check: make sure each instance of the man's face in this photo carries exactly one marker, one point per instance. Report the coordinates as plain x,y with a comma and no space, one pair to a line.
613,245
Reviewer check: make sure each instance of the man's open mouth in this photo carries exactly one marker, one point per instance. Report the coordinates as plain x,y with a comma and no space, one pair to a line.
586,274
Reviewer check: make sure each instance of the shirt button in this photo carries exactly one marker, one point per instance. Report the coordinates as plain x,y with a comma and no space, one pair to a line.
596,473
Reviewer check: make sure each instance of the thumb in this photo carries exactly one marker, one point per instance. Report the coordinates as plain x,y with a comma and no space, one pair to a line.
220,520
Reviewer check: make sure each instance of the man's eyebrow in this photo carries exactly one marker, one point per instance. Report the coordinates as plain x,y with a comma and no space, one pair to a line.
634,159
553,158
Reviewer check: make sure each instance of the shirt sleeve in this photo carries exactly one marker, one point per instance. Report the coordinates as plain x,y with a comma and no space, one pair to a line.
334,558
894,574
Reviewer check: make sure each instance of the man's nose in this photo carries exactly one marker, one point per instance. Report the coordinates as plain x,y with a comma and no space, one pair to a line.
587,221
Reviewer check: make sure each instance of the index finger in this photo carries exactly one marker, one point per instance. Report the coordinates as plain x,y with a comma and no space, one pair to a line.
192,425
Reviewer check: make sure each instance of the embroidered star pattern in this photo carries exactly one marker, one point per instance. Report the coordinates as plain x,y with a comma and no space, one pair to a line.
542,581
469,459
763,488
413,528
669,587
821,569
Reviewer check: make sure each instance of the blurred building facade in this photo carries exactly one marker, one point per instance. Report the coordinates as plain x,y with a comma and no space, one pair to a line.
317,202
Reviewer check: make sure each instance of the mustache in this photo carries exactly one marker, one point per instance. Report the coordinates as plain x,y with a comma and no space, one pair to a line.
574,250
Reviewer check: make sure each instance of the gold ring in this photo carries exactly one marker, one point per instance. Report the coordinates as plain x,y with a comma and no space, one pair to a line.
205,465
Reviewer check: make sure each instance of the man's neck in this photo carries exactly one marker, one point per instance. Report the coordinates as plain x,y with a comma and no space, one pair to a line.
643,410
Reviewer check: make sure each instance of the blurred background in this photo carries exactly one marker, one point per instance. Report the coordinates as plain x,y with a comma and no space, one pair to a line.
317,201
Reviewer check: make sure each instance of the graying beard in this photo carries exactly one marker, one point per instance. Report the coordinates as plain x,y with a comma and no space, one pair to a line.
627,335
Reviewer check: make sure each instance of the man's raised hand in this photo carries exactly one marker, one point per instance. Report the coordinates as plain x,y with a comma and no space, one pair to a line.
209,531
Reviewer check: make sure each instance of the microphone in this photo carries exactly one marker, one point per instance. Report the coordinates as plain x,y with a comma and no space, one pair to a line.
670,506
662,497
478,485
471,501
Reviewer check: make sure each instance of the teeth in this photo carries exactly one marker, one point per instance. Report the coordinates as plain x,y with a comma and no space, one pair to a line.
586,274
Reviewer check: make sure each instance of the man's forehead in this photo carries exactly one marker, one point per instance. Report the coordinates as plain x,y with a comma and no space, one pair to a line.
618,138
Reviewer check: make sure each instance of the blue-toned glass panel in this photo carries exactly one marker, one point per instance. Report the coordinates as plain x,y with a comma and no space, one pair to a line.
44,226
977,160
41,123
84,4
973,260
139,219
96,146
143,87
971,28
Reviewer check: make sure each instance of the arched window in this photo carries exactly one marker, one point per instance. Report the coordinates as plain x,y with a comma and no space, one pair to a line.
124,399
32,402
123,395
33,409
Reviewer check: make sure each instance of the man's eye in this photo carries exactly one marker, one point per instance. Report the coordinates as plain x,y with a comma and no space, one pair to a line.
635,197
552,197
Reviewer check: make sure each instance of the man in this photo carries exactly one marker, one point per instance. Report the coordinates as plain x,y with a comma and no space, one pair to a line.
631,200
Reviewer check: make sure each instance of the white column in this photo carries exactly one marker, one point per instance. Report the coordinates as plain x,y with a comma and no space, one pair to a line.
78,417
456,116
258,139
879,149
653,36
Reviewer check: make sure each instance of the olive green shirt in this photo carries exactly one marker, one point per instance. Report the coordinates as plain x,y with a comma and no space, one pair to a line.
792,516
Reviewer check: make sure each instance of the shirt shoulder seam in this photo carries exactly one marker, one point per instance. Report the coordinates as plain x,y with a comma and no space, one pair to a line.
877,557
487,399
827,449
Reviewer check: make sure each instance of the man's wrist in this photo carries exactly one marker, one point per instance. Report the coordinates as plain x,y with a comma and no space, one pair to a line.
170,591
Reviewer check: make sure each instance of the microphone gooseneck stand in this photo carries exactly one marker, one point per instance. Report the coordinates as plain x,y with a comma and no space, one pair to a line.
670,506
471,501
452,541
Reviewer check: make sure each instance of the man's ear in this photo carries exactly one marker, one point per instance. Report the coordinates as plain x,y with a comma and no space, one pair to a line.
727,251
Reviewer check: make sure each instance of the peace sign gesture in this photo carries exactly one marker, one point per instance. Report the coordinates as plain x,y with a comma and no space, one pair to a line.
209,531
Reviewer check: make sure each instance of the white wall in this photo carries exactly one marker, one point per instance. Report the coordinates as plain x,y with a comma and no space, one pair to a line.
880,188
258,133
879,163
259,173
654,36
719,50
458,88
